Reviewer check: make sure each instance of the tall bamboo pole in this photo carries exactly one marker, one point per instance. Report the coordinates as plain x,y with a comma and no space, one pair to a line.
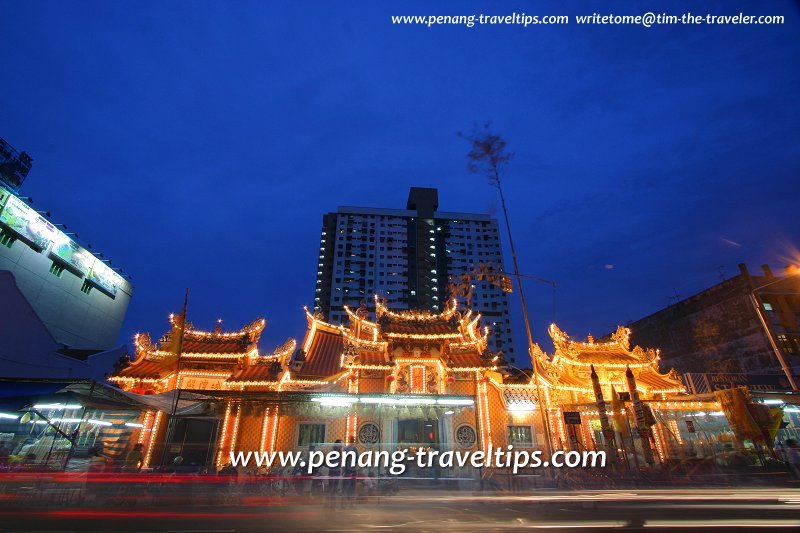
518,276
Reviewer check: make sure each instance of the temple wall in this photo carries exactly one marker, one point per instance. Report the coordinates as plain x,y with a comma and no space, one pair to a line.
372,385
226,432
497,415
288,430
464,417
154,449
463,387
250,428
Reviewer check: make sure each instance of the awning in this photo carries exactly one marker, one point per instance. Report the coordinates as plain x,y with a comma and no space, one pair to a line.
75,398
188,402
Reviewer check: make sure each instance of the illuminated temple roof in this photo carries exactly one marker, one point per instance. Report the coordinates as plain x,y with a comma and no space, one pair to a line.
451,339
158,361
572,362
327,352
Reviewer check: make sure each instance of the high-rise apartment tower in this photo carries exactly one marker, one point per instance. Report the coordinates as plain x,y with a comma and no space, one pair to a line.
409,257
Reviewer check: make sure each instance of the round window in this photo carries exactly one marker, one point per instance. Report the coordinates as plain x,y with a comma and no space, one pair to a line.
466,436
369,433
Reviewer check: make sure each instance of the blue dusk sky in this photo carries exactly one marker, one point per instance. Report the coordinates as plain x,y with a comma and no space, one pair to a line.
198,144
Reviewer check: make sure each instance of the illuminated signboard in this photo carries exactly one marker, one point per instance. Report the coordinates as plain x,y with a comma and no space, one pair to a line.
27,223
104,277
73,255
706,383
202,383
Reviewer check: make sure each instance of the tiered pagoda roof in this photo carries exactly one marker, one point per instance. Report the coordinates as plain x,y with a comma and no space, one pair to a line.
572,362
320,356
265,368
206,351
452,337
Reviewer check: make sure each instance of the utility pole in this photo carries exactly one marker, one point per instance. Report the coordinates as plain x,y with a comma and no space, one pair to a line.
177,390
517,275
488,150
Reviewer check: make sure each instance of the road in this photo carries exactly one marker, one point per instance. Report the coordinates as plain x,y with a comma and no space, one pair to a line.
436,511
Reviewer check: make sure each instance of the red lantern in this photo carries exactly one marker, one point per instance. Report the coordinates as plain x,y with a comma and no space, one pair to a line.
390,378
451,379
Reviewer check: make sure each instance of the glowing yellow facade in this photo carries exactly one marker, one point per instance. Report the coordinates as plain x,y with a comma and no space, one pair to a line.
402,378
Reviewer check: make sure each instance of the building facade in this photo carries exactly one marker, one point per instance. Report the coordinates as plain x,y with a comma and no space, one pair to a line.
729,329
414,258
408,379
79,298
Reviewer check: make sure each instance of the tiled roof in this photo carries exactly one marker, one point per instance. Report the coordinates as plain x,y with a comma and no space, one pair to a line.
606,356
652,380
145,370
372,358
572,381
437,327
466,359
254,373
212,345
324,356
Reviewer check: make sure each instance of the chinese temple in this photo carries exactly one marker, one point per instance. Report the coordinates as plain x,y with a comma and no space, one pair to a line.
407,378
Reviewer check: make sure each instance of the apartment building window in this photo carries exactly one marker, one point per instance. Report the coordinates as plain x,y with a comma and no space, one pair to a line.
790,345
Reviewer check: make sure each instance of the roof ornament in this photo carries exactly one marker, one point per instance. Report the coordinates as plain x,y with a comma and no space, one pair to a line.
296,363
122,363
455,320
380,306
285,349
622,336
350,353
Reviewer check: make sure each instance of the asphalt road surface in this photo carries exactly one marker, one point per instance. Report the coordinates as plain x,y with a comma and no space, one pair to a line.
435,511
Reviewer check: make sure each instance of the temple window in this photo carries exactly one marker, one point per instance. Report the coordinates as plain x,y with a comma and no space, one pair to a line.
310,434
520,436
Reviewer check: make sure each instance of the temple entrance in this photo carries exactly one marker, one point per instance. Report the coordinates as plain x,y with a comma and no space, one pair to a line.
418,432
192,439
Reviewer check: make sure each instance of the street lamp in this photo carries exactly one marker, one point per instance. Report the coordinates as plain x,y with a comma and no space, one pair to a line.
755,299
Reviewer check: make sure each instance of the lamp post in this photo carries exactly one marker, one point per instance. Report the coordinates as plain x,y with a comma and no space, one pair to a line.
758,304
